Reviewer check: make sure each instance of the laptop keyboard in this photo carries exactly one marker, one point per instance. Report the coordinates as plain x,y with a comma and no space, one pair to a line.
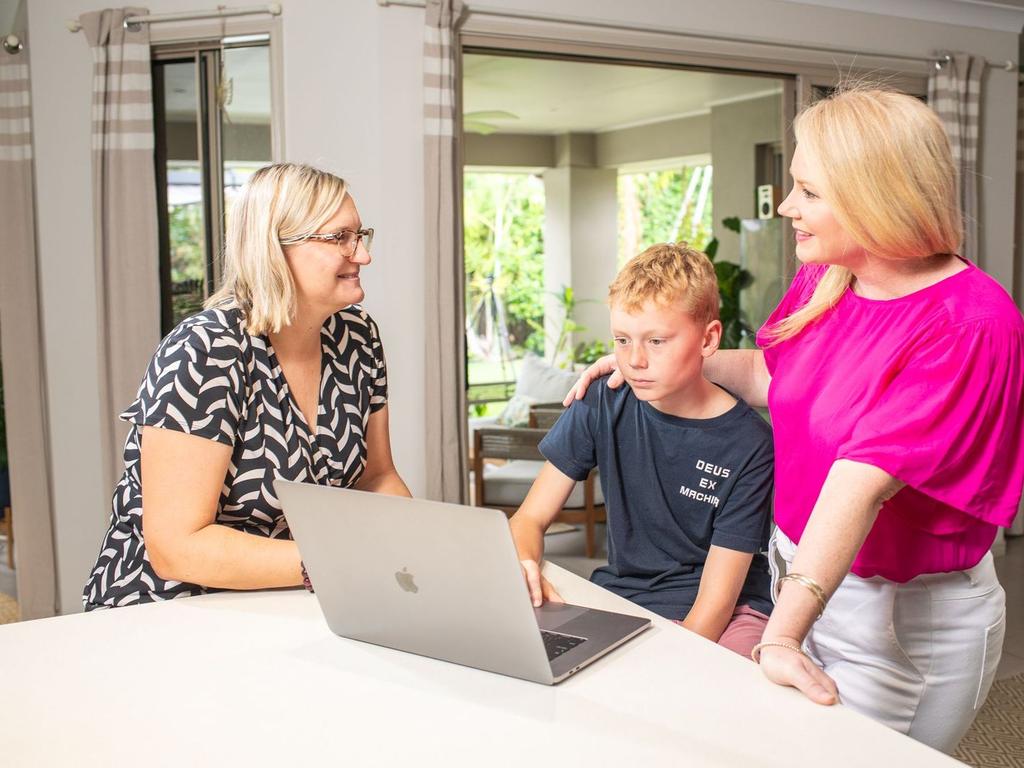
556,644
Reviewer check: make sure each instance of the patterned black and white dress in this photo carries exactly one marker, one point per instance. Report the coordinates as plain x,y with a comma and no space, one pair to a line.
211,378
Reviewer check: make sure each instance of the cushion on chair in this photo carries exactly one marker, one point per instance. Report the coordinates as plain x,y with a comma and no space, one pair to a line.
538,382
542,382
517,412
508,484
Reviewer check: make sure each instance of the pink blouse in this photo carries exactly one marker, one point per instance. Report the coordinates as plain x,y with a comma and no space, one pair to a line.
928,387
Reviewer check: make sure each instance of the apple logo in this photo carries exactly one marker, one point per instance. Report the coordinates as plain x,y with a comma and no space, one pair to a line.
405,581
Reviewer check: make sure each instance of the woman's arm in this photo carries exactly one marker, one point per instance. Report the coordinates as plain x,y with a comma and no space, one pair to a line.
182,478
742,371
725,571
380,475
847,506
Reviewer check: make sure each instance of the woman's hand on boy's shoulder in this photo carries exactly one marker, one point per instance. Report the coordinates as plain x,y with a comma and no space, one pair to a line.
540,588
601,367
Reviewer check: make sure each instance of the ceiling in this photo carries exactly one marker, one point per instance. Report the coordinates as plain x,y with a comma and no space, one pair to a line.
551,96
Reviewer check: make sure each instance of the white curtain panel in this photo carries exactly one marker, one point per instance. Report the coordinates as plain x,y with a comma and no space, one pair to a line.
445,380
125,210
954,92
21,343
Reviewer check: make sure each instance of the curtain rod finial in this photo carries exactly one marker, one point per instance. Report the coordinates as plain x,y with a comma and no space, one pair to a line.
12,44
274,9
73,25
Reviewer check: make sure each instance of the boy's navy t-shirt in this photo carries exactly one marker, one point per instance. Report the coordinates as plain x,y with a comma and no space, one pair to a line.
672,488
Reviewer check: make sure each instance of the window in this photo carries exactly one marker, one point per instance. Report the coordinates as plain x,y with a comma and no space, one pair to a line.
504,252
664,206
212,122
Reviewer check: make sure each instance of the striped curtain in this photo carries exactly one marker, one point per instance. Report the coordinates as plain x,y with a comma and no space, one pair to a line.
21,343
954,92
445,343
125,209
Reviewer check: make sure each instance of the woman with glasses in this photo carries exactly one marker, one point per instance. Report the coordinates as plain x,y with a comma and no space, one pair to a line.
282,376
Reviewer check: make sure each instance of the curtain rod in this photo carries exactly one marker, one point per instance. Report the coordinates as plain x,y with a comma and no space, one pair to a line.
938,60
274,9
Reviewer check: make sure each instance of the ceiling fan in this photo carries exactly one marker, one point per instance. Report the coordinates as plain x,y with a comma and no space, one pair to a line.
479,121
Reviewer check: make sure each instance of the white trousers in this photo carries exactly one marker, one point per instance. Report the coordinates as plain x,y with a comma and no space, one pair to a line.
919,657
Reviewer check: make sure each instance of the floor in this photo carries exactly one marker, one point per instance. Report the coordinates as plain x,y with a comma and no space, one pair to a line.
565,549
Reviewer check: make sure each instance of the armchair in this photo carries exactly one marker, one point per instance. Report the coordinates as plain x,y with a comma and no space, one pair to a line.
505,487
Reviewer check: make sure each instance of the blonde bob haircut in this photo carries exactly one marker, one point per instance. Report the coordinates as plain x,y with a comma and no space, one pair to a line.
668,274
279,202
888,177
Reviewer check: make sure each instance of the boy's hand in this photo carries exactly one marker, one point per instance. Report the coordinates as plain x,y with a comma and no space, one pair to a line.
540,588
601,367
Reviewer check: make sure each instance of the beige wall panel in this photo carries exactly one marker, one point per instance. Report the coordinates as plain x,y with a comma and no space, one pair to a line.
655,141
736,129
509,150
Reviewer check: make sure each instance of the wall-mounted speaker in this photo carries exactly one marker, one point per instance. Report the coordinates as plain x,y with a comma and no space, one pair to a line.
767,200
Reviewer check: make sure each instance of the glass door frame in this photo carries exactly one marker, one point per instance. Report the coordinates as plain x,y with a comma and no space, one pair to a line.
207,58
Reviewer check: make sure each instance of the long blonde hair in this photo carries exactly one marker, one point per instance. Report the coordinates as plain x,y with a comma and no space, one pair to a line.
279,202
889,178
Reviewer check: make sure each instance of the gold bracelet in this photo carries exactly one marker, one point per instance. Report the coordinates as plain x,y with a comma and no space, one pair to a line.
755,652
810,584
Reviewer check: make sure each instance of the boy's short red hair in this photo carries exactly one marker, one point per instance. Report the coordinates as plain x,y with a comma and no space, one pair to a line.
665,274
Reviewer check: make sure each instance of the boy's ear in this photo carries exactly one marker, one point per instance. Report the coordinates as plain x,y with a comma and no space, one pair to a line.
712,338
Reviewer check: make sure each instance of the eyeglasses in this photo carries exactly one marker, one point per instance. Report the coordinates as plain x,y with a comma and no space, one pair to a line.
347,240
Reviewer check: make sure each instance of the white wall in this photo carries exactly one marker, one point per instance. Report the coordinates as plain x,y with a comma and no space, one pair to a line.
352,103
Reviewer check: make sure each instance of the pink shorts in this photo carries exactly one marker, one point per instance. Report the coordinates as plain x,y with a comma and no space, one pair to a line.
744,631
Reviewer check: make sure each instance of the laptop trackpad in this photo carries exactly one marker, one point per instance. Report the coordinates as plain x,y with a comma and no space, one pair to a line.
552,616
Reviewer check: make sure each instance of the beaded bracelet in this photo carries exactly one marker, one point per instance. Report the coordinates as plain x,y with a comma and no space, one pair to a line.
755,652
305,577
808,583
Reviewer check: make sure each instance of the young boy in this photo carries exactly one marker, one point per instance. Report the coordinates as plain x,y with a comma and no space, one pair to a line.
686,468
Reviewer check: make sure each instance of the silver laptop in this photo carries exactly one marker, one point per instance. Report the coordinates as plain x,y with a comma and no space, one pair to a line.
439,580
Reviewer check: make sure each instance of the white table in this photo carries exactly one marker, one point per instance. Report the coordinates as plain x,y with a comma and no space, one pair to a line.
254,679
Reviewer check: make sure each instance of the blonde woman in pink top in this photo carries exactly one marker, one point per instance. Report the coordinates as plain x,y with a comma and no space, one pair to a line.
893,370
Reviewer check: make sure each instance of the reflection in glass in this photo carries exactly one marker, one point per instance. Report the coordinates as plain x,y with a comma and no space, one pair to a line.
214,131
184,190
245,125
